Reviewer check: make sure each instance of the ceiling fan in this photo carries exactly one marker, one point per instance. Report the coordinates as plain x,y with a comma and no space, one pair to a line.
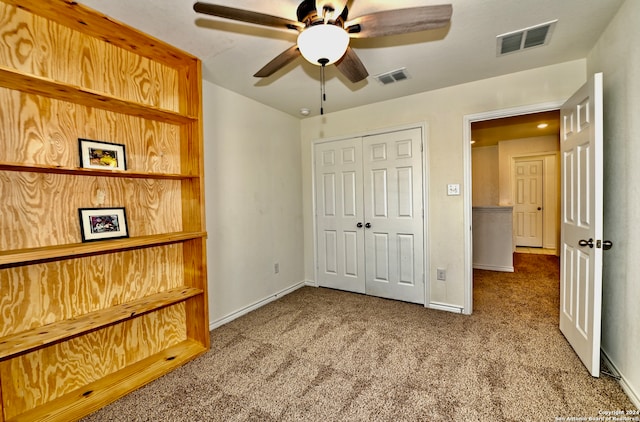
324,31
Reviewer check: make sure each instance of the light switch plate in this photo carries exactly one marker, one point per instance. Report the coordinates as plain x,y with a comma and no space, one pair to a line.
453,189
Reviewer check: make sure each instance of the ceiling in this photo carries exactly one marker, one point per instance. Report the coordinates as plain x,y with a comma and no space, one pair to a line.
490,132
464,51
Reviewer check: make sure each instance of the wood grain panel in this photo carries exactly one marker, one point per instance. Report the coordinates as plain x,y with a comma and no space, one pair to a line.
95,395
19,257
44,131
40,47
86,20
40,209
44,293
14,79
67,72
195,274
19,33
82,360
40,337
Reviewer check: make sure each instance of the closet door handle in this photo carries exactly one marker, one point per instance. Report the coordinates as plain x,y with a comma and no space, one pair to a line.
359,225
368,225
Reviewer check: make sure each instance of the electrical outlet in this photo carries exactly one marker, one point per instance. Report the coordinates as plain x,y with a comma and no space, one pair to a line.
441,274
276,268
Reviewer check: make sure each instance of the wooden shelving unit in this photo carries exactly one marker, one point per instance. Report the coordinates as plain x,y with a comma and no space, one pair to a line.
46,87
85,323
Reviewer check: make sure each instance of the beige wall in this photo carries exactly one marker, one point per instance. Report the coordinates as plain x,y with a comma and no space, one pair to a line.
253,199
492,167
617,55
484,176
443,111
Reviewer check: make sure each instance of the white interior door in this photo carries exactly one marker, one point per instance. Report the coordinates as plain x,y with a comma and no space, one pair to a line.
581,235
393,215
369,215
527,204
339,210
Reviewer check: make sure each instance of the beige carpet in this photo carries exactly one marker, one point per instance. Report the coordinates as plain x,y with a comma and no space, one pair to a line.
325,355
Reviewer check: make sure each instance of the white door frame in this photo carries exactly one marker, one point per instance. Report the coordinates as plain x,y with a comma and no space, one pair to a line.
467,202
425,195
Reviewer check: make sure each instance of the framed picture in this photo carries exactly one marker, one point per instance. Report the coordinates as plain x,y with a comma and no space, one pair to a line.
101,155
103,223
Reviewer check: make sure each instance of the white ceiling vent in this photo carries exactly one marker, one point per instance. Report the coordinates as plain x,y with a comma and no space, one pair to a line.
523,39
393,76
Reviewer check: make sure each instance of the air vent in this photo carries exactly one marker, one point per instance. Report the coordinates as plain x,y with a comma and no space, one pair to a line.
393,76
534,36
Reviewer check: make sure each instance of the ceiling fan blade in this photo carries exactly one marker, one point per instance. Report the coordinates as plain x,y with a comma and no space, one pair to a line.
247,16
278,62
399,21
351,66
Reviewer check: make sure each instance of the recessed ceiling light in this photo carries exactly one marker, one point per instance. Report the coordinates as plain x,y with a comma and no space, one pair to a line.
305,111
543,125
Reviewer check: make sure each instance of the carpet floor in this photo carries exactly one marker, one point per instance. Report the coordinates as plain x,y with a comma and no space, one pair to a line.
325,355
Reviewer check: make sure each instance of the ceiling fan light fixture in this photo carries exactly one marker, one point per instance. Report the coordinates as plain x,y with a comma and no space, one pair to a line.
324,41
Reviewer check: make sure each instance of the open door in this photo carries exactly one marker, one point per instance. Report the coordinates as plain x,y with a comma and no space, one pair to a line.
581,140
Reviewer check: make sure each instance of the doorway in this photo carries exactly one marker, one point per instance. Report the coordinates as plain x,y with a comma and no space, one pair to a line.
502,195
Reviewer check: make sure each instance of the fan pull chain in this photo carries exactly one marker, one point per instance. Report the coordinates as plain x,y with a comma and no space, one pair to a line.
323,94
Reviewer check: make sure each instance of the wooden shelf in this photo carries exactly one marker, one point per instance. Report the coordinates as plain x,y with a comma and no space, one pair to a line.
23,256
79,171
27,341
89,75
13,79
95,395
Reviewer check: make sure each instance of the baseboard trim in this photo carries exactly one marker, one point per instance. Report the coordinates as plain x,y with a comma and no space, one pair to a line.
445,307
626,387
505,269
260,303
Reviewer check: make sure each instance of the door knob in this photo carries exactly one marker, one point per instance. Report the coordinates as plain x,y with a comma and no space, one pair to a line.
539,208
607,244
359,225
588,243
368,225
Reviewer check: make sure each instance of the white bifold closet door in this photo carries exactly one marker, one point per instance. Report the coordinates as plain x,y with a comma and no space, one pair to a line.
369,215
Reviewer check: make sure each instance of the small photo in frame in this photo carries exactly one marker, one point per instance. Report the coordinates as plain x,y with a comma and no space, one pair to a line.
101,155
103,223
